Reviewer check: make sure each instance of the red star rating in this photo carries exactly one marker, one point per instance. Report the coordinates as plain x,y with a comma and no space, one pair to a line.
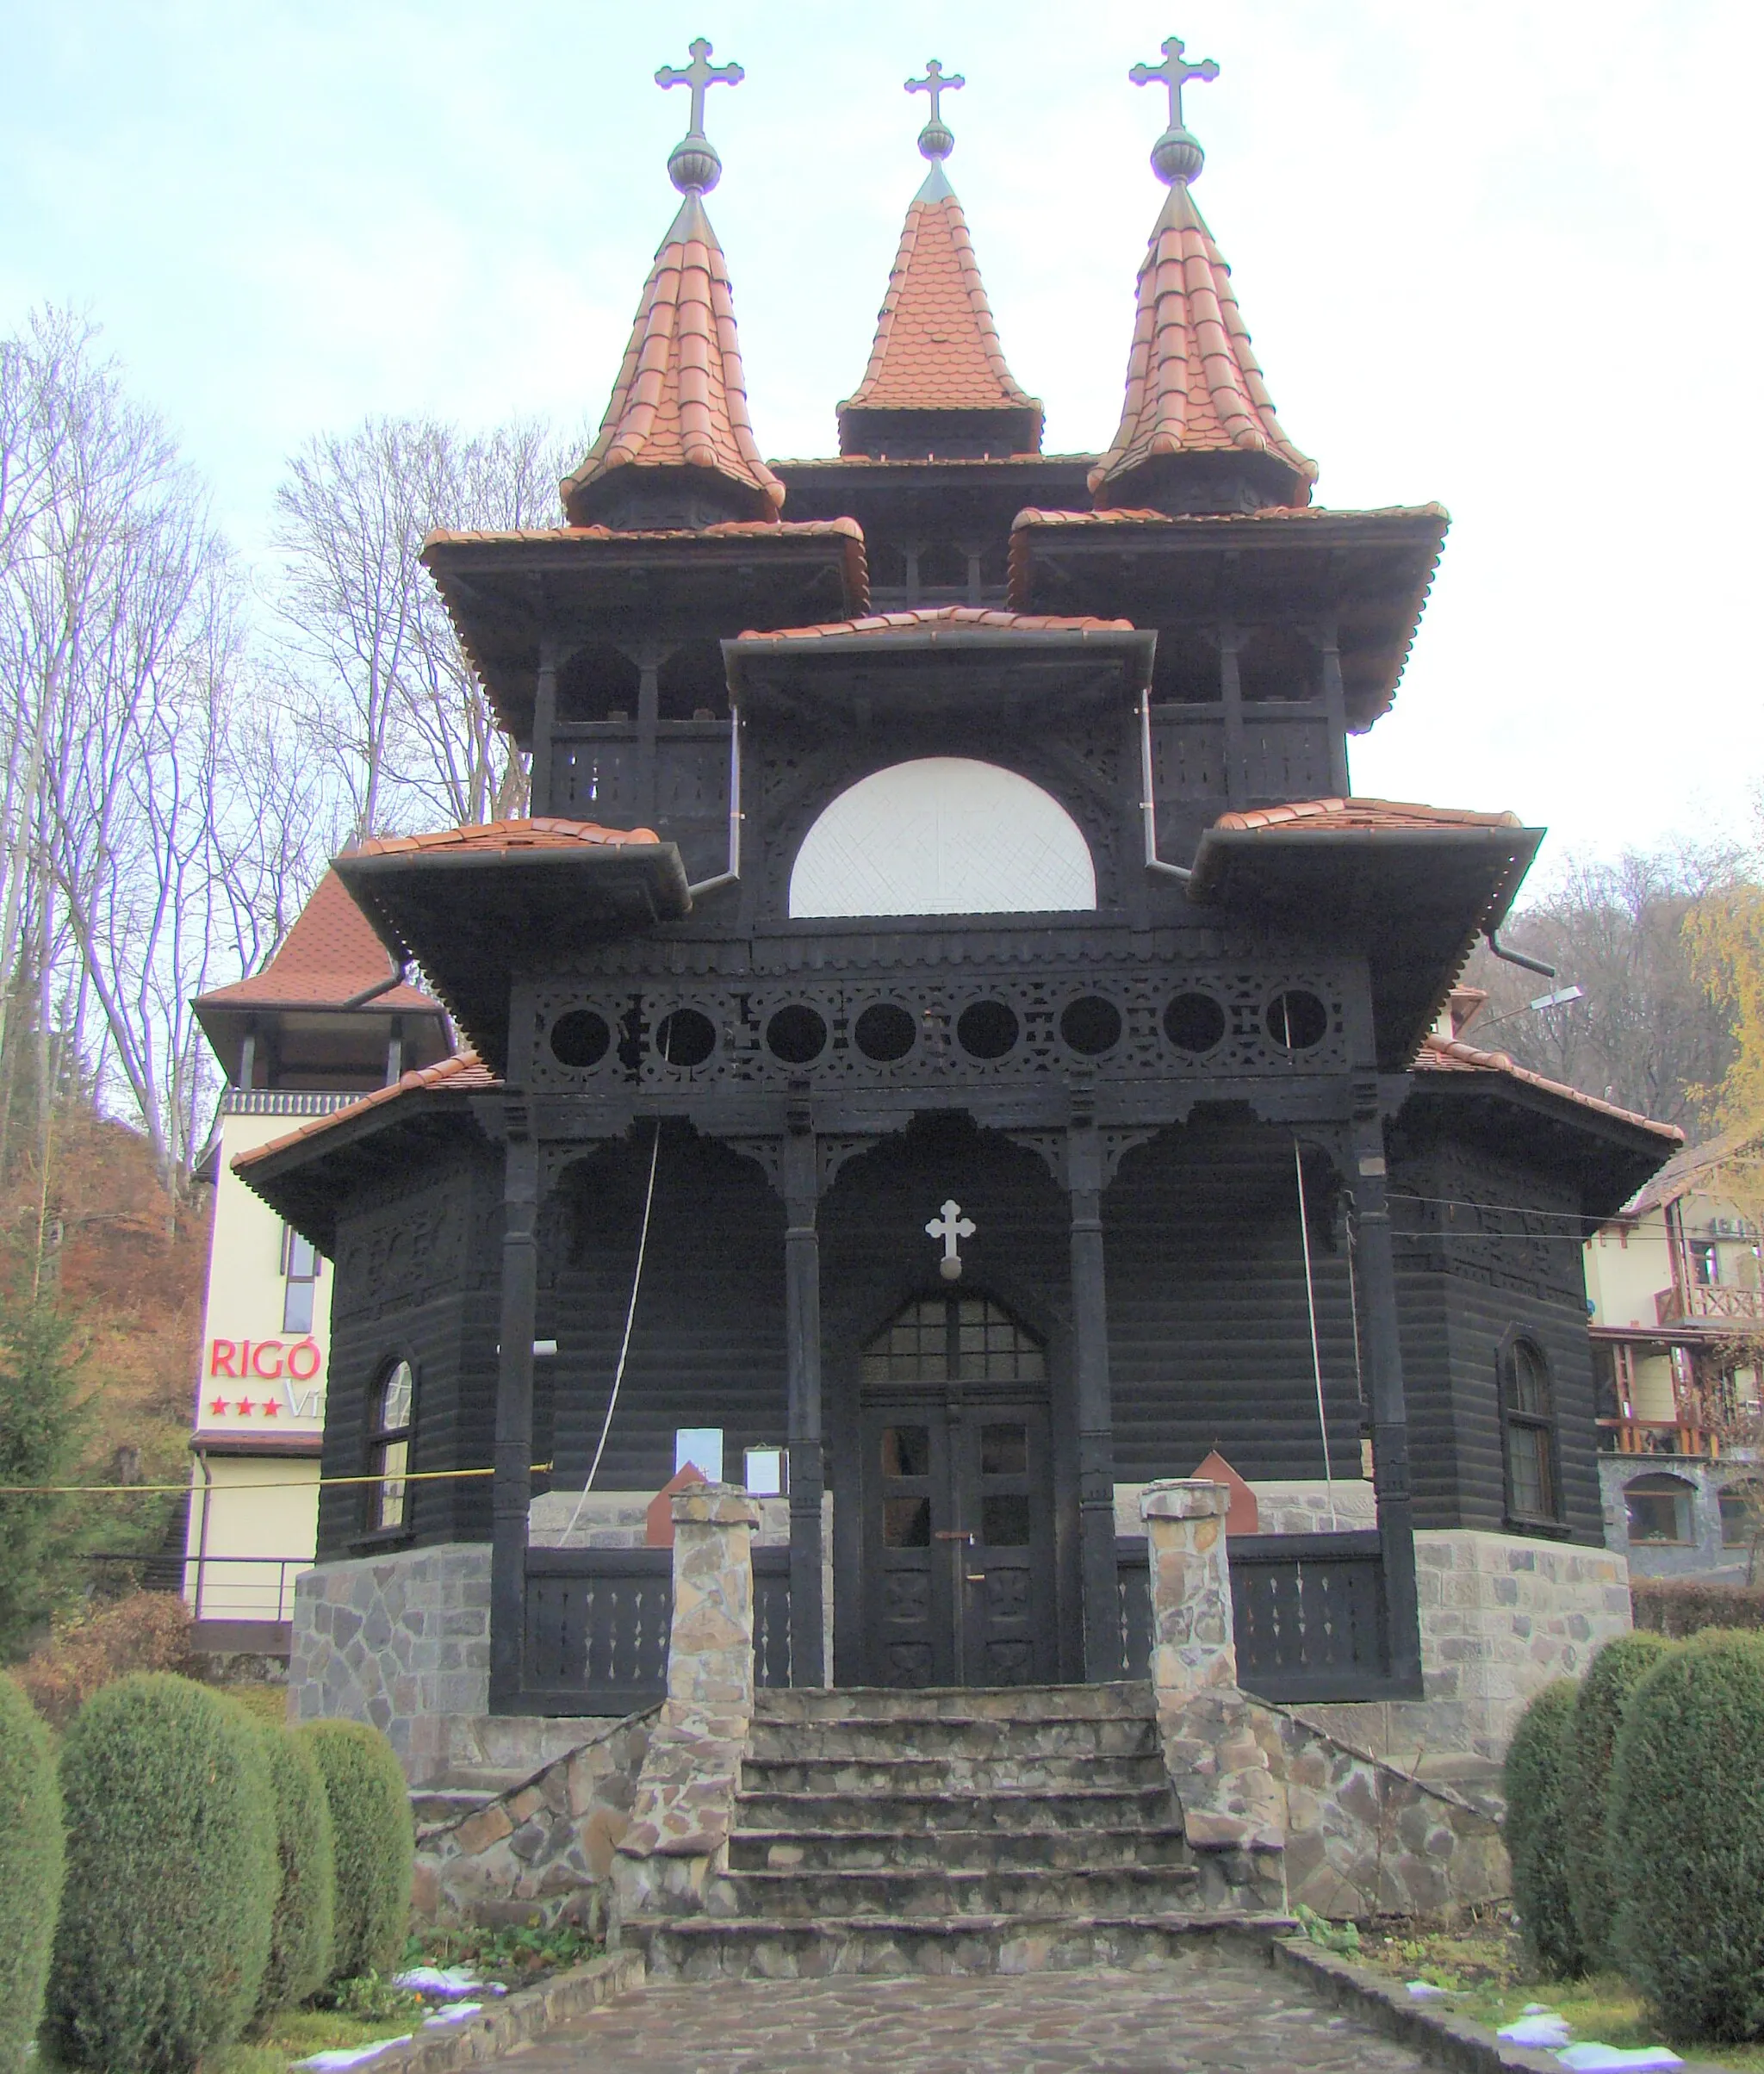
244,1407
271,1408
217,1408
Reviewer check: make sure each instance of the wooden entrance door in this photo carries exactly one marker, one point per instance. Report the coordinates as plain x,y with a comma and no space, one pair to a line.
958,1500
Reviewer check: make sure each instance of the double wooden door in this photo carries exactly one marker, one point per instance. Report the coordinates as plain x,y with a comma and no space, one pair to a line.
957,1501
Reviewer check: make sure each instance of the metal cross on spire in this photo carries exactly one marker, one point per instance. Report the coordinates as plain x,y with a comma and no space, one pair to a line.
1177,155
952,1227
694,163
935,139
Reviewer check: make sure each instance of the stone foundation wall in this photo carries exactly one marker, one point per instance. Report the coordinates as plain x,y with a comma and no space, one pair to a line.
1301,1507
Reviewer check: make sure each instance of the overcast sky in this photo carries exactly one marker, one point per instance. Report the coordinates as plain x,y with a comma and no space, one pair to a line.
1501,255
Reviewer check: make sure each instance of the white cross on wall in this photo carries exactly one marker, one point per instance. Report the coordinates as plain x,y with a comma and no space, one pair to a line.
951,1226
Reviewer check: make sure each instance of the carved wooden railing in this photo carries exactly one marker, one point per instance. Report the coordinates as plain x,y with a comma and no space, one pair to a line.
1719,1302
1309,1613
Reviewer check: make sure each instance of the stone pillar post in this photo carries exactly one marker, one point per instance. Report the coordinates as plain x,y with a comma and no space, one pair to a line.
711,1641
1192,1649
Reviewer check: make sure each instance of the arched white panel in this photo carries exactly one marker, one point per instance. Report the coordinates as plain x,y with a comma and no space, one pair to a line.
942,835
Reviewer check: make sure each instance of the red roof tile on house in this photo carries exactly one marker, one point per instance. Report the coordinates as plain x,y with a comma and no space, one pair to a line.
680,399
936,346
1327,815
544,833
1452,1055
948,615
1193,384
463,1071
328,957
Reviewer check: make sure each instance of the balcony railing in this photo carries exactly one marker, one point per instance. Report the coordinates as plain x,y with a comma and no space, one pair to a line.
1657,1437
1711,1303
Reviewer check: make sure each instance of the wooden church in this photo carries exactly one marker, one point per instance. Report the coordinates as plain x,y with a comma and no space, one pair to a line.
949,1040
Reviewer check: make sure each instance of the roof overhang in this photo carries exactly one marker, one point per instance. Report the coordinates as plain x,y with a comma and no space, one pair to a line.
1414,900
582,585
322,1037
473,919
1367,571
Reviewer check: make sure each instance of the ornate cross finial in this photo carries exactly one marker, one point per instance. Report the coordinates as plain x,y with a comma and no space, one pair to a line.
936,140
952,1227
1176,156
693,163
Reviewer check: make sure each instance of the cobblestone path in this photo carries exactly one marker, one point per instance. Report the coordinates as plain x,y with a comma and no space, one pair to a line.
1228,2015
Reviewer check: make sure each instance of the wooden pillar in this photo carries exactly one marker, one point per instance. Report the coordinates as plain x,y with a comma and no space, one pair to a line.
1335,708
1390,1432
1089,1306
802,1302
510,1492
544,729
1232,696
649,724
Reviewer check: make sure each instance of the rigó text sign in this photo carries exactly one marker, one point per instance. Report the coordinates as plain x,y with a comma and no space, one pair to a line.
294,1364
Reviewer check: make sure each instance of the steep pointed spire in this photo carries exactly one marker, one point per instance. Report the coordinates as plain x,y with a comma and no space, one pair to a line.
676,446
937,383
1197,429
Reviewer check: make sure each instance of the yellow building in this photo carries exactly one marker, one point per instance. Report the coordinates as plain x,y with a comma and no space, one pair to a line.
323,1024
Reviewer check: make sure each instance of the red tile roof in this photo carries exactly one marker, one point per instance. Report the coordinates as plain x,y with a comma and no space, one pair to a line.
1374,815
680,399
936,346
1030,516
1193,385
734,528
328,957
948,615
1453,1055
463,1071
544,833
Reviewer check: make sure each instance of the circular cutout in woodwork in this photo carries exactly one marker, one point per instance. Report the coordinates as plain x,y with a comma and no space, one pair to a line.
581,1039
884,1033
686,1037
1296,1021
986,1029
1194,1023
1091,1025
797,1035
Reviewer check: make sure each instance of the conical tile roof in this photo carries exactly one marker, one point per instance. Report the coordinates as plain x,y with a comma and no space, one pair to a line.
936,346
1193,384
680,401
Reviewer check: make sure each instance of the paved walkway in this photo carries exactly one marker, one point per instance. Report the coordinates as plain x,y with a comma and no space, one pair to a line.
1229,2017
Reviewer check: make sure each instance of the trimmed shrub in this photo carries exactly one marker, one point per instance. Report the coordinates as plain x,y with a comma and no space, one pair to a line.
376,1844
1604,1697
1685,1831
1539,1816
149,1632
31,1871
1682,1606
303,1924
172,1872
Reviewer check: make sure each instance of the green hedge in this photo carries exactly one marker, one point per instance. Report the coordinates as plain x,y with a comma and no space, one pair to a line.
1685,1829
303,1924
31,1858
171,1875
1539,1818
375,1844
1604,1699
1682,1606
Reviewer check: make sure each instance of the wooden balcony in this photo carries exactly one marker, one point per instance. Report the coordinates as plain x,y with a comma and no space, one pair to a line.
1657,1437
1714,1304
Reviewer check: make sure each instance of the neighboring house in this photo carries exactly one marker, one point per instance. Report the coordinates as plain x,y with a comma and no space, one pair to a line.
327,1020
1673,1288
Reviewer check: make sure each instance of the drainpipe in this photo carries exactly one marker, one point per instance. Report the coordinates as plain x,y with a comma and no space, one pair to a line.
1519,958
732,876
1148,804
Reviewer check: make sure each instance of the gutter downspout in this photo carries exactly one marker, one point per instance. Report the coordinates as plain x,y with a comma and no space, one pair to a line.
1530,965
1148,805
732,876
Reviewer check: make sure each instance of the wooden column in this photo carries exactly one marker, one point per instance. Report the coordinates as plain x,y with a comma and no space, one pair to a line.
802,1302
648,722
510,1492
1090,1308
1390,1434
544,729
1335,706
1232,696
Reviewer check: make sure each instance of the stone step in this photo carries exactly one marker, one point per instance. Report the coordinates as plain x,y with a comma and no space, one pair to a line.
708,1947
915,1892
962,1703
434,1807
1010,1770
934,1809
953,1736
957,1849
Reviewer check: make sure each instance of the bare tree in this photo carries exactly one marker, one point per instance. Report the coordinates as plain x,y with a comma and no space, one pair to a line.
1648,1032
378,677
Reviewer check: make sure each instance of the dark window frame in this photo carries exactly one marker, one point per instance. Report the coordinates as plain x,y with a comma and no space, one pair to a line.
301,1270
1682,1496
383,1438
1537,1427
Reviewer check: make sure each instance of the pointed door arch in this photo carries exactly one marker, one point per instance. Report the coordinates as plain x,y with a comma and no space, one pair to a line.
958,1498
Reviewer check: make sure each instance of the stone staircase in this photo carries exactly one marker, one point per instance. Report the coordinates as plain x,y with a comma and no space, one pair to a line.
953,1832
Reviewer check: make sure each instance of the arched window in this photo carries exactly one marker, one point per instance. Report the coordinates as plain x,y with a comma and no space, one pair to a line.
942,835
946,1338
1528,1420
1659,1510
389,1449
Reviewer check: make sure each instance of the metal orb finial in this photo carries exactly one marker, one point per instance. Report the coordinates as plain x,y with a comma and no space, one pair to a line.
1177,154
937,140
693,165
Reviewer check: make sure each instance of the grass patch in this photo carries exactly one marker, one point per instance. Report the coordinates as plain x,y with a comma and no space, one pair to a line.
514,1954
262,1702
1483,1966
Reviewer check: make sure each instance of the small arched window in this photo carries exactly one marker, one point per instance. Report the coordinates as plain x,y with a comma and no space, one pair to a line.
1659,1509
1528,1422
389,1449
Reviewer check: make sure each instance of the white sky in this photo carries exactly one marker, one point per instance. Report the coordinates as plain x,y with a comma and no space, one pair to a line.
1502,255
